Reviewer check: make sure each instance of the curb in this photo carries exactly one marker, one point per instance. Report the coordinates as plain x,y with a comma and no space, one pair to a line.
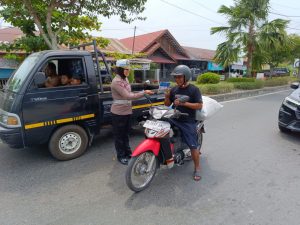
249,93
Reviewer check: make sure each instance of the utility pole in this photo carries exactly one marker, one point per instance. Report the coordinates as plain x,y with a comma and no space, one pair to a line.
133,40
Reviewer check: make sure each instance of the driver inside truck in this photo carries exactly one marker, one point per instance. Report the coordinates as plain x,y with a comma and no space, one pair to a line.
52,79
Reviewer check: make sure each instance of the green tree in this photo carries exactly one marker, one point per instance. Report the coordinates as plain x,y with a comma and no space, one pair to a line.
66,21
249,34
274,46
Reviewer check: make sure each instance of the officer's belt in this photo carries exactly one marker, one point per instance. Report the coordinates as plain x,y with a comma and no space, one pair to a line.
122,102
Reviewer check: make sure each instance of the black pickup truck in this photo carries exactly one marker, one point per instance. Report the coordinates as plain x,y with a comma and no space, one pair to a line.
65,117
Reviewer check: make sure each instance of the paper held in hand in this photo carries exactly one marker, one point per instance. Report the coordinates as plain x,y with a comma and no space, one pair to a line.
210,107
163,86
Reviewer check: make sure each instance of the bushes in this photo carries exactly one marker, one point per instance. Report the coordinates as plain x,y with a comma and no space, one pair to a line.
208,78
276,81
238,83
257,84
240,79
213,89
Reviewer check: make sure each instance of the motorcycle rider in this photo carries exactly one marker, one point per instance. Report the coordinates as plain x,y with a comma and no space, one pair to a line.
186,124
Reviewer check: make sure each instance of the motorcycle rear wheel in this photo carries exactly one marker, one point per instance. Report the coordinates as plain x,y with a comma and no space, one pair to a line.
137,177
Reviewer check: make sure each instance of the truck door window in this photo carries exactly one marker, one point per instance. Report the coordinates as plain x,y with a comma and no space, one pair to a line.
63,72
72,72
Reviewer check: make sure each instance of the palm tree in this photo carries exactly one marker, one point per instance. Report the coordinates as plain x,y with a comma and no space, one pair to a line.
248,32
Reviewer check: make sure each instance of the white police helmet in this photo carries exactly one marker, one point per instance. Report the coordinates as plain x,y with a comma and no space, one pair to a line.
124,63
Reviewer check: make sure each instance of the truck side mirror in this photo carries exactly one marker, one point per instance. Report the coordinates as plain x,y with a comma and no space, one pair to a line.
39,78
295,85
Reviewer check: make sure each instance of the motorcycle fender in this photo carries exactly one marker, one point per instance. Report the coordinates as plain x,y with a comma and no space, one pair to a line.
147,145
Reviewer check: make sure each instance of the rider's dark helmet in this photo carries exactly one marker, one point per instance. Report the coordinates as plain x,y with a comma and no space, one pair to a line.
182,70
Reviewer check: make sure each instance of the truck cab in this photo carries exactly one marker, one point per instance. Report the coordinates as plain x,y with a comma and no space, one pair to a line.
67,117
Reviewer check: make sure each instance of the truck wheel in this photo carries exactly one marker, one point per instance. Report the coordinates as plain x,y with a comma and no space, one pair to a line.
68,142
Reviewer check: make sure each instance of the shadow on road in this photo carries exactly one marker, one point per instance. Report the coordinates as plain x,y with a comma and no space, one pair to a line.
290,136
170,188
291,139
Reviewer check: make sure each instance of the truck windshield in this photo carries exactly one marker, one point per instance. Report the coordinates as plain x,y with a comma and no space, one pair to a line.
16,80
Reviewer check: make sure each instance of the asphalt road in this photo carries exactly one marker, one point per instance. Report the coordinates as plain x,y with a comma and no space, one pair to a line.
250,175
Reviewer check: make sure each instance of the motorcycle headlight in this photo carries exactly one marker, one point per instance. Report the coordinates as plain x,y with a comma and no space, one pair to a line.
291,103
9,119
156,113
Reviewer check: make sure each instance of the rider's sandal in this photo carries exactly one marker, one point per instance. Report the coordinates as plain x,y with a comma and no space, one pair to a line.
196,176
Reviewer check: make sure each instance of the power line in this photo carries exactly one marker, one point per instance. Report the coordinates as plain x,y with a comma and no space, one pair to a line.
285,6
131,28
292,28
198,3
143,29
279,14
291,19
190,12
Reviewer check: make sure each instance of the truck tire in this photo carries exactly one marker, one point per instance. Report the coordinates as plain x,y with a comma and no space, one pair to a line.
68,142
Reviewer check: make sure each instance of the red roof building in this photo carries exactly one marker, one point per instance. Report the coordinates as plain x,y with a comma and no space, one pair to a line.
9,34
200,53
160,46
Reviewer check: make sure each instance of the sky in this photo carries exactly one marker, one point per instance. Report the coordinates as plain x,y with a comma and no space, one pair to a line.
189,21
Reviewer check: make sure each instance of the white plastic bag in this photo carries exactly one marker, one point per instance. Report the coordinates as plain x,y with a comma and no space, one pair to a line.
210,107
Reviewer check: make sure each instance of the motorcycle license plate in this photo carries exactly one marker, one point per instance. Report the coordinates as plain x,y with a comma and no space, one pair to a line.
156,125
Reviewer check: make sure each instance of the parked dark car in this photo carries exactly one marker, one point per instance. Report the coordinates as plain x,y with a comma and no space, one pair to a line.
277,72
289,112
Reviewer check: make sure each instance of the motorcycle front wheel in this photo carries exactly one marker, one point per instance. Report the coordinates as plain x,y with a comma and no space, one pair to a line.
141,171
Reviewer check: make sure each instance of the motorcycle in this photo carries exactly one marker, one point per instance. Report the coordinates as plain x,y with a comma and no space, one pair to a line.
149,154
